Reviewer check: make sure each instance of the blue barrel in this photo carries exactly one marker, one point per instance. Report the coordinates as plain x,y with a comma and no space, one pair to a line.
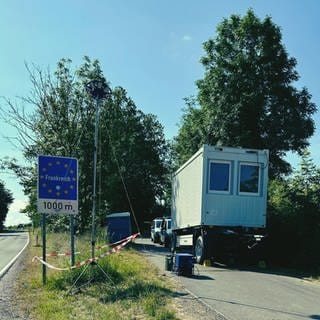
184,264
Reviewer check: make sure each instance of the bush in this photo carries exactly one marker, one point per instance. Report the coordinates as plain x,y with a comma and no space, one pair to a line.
294,219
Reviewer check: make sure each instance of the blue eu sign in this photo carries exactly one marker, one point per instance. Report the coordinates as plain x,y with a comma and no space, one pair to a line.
57,185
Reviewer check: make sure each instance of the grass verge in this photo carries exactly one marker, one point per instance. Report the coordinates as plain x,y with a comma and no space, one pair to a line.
131,290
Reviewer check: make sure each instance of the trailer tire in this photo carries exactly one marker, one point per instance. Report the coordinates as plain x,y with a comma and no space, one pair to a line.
199,250
167,242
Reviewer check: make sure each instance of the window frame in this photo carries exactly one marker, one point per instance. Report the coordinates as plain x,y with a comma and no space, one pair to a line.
229,177
252,164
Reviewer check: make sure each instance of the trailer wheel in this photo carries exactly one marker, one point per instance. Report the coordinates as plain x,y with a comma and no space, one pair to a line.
167,242
199,250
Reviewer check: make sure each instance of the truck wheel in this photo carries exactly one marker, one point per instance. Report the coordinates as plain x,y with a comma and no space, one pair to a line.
167,242
199,250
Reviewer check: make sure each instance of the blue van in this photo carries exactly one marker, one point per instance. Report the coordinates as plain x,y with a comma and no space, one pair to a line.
155,230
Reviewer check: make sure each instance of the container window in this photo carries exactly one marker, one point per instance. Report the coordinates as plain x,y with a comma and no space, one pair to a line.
219,177
249,178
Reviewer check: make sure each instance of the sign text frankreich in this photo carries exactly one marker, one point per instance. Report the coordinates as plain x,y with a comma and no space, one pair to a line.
57,185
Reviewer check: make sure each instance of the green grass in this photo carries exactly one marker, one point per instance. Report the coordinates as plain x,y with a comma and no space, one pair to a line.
131,290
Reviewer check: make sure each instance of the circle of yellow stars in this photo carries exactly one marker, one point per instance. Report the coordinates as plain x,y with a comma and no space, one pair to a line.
58,193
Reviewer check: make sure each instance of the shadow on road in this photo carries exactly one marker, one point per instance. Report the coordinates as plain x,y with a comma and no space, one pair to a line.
201,277
142,245
277,271
146,246
274,310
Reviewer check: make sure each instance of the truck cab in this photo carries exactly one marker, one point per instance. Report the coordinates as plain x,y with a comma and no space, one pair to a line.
155,230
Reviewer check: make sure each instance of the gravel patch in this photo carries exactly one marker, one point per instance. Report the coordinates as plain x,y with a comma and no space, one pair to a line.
9,305
189,307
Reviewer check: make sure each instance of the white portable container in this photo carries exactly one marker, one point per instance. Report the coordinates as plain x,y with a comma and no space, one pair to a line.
221,186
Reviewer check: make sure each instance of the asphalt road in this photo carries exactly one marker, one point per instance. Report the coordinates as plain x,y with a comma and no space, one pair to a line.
11,244
246,295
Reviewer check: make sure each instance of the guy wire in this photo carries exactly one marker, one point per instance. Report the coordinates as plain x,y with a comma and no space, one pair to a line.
123,182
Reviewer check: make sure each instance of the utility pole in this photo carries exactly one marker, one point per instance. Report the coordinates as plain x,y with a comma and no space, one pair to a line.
99,90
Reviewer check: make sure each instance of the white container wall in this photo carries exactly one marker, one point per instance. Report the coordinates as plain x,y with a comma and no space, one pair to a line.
187,185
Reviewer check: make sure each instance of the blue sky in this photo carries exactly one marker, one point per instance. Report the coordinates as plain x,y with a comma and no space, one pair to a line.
151,48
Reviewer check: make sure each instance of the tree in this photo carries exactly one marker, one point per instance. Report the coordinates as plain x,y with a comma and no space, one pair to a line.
305,197
6,199
247,96
294,217
132,165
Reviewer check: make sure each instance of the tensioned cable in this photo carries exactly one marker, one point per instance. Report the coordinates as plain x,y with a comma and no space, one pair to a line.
123,182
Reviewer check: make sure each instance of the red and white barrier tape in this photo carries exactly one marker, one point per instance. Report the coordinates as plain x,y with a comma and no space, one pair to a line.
79,264
67,254
113,244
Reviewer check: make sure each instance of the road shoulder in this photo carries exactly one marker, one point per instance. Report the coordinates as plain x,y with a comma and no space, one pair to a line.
10,305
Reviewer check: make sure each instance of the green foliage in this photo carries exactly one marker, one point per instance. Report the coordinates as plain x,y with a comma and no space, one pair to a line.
132,288
6,199
192,133
135,153
247,97
294,217
132,155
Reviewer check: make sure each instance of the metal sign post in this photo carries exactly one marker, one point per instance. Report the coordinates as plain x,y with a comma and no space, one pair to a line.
44,270
57,193
72,259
